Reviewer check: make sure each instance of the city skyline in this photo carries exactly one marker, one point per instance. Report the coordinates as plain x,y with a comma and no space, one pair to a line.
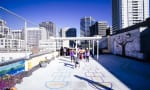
62,12
112,52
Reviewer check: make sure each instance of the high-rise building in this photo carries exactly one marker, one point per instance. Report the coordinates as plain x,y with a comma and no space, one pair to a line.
99,28
85,24
11,44
34,35
47,45
17,34
68,32
4,30
50,28
7,42
63,31
128,12
71,32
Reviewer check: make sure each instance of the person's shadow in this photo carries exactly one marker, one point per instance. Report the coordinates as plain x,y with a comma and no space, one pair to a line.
97,85
68,65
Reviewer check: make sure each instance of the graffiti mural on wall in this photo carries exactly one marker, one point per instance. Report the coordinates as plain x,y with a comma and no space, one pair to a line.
122,41
8,81
127,44
11,74
12,69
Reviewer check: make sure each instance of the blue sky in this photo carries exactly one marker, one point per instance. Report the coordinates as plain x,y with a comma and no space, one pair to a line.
61,12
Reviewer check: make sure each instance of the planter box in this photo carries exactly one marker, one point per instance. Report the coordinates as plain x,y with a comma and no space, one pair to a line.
43,64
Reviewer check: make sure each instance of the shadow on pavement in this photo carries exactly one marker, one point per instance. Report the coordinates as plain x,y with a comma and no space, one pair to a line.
64,60
132,73
68,65
68,57
97,85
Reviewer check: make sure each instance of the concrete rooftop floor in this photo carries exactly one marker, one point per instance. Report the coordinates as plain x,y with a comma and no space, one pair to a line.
105,74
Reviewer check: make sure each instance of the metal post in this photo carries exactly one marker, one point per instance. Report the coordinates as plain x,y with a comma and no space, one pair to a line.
62,43
76,47
89,44
97,50
93,48
55,50
25,30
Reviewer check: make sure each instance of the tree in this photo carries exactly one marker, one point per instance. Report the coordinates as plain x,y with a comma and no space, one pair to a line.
123,40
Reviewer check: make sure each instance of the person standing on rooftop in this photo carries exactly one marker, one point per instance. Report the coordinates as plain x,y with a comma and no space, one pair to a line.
87,54
72,55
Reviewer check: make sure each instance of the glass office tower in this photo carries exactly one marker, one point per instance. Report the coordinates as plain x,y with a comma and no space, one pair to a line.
85,24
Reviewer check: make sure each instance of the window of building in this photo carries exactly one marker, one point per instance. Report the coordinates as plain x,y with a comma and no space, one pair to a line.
134,1
2,59
1,43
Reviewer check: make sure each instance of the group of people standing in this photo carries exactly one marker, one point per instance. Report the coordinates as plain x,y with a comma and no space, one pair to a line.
64,51
81,54
84,54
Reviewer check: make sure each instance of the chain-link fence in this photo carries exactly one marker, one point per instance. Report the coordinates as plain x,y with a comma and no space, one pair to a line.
20,37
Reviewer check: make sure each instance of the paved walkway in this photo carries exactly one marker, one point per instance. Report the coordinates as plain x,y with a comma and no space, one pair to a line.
60,74
135,74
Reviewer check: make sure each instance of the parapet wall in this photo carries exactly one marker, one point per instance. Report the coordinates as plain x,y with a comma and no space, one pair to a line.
21,65
127,44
